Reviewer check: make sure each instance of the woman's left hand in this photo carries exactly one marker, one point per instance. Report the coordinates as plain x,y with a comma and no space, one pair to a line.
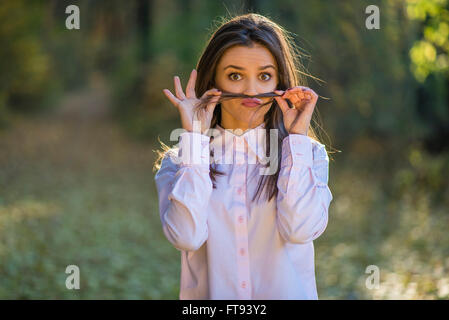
304,100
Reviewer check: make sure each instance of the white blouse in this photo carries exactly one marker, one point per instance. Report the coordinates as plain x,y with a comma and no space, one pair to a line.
234,248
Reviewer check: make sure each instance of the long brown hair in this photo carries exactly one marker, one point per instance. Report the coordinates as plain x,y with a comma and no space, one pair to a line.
245,30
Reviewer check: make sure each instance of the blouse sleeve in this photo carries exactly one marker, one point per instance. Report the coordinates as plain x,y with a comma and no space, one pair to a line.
304,196
184,188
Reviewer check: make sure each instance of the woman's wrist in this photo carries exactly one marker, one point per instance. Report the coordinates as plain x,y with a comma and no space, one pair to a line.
302,131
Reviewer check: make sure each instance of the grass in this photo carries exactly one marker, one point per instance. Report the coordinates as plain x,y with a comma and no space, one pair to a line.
80,195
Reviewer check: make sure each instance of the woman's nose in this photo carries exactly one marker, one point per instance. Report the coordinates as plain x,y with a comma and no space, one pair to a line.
251,90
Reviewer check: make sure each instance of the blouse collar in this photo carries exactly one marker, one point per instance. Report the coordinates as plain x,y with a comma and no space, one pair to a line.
252,142
262,125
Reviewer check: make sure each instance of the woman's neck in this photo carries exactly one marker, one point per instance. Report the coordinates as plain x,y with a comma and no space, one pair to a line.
233,125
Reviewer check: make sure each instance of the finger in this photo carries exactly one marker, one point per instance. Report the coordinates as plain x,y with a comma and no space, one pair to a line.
295,99
179,93
175,101
301,92
314,95
213,103
311,98
209,92
310,93
282,103
190,89
293,94
305,94
295,90
279,91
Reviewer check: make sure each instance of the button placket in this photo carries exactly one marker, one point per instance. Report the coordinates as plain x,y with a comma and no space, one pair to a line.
239,150
241,231
241,253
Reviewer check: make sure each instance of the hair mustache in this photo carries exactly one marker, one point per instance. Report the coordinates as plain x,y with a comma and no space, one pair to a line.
225,95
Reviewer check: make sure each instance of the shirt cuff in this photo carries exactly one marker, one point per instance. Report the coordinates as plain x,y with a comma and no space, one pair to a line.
297,151
194,149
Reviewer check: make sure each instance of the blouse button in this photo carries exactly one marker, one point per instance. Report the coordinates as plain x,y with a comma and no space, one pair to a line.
243,284
239,190
242,251
241,219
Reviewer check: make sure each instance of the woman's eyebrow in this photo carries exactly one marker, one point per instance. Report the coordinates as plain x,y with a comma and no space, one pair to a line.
241,68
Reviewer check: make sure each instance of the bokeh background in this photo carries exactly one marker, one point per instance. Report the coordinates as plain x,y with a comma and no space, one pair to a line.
81,112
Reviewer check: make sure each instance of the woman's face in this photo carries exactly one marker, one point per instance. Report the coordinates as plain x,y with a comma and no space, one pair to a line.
249,71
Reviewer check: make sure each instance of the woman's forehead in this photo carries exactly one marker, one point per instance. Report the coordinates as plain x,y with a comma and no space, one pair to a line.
247,57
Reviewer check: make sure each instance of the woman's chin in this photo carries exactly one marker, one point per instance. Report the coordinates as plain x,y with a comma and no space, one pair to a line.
245,114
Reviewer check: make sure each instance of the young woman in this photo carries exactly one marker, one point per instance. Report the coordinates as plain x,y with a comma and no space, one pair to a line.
234,246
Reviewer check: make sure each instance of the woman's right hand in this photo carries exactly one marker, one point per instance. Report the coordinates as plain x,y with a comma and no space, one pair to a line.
186,103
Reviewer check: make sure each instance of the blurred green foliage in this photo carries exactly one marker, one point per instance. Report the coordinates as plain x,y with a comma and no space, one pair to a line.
431,53
25,77
374,78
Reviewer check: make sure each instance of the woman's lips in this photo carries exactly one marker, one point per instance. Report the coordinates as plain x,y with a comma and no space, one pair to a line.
251,102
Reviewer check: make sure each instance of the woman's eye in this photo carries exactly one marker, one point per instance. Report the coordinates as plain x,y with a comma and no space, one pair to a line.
266,74
231,76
